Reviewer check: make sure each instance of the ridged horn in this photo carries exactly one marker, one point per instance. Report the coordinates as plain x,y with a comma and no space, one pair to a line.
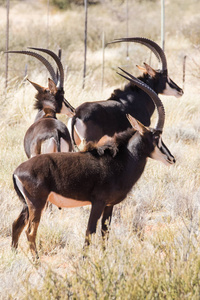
158,103
154,47
56,59
42,59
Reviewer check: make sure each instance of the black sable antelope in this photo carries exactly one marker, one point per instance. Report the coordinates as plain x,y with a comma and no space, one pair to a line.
102,175
92,120
47,134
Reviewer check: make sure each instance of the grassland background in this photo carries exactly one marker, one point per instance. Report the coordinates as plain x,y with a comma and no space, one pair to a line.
153,250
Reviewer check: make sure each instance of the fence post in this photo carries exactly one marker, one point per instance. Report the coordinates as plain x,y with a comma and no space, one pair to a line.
184,66
85,43
163,24
48,24
127,29
103,61
7,42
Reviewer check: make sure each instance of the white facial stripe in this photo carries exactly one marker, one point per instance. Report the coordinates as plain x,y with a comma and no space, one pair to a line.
169,91
162,147
158,155
162,153
66,110
160,142
61,201
166,152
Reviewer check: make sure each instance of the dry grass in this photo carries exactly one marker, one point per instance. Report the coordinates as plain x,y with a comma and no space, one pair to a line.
153,249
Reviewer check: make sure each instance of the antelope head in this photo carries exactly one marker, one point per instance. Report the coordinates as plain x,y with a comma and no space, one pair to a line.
55,84
165,86
156,148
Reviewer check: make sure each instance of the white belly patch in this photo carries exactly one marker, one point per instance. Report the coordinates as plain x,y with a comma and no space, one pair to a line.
61,201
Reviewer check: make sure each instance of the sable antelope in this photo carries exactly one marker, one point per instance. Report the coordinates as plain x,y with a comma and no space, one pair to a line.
92,120
102,175
47,134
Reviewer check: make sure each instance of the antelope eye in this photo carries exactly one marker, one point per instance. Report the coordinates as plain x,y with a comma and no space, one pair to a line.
156,139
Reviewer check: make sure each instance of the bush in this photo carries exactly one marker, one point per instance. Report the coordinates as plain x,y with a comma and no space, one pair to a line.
64,4
61,4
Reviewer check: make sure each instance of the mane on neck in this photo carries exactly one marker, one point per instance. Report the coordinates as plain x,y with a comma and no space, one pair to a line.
110,145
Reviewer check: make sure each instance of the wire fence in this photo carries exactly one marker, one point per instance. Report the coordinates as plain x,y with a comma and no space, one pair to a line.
85,33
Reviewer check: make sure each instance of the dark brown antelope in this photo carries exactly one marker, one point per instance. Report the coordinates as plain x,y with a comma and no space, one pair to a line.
101,176
92,120
47,134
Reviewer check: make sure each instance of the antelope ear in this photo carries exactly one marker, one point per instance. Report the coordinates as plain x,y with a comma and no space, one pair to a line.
150,70
38,87
141,69
137,125
52,86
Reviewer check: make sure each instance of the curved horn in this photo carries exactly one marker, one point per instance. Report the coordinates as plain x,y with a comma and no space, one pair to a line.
42,59
57,60
152,94
154,47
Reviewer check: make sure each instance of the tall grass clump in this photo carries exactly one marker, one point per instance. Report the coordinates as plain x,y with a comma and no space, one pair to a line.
151,269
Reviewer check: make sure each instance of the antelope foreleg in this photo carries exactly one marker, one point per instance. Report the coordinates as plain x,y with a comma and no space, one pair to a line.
106,220
95,214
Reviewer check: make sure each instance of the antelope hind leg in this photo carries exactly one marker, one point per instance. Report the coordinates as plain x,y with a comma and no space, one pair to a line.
18,226
31,231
